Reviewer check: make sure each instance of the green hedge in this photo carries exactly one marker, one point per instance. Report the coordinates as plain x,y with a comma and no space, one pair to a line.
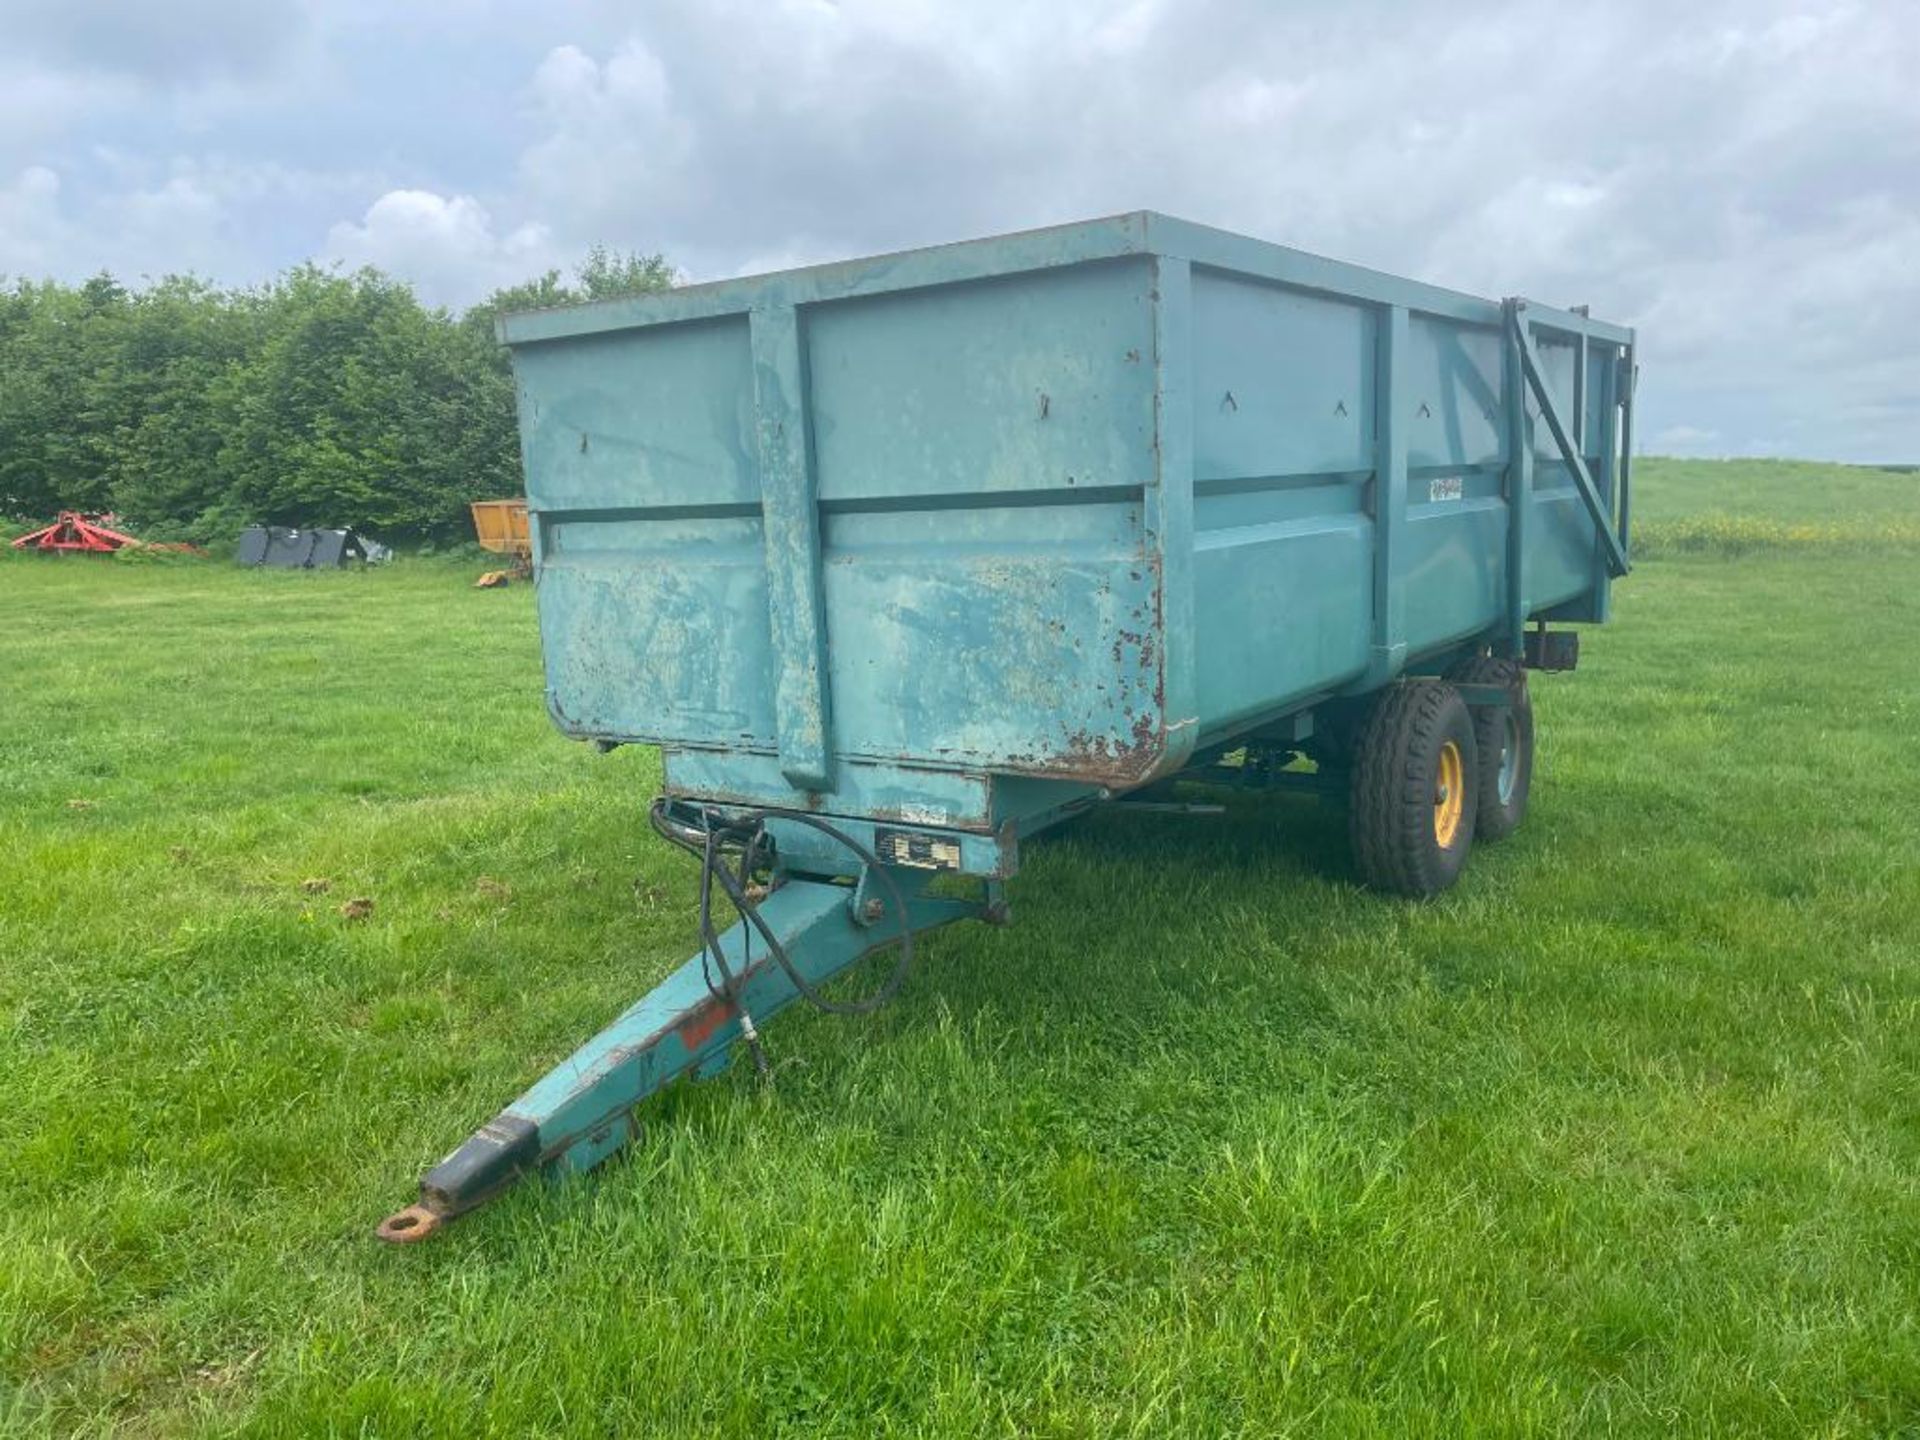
320,398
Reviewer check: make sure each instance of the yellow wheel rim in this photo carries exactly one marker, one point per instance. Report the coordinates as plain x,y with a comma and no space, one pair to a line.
1449,795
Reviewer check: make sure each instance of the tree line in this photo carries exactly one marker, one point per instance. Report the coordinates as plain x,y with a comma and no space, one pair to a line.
321,397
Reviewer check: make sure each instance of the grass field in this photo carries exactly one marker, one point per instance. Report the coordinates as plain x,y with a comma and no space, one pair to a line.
1622,1136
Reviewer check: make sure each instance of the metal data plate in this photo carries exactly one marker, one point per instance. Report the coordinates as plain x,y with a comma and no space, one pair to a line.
914,848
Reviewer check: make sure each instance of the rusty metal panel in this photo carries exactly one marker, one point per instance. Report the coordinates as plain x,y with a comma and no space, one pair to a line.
904,528
1059,506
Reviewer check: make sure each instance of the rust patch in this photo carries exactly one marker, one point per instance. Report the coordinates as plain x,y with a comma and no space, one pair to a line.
1105,760
703,1023
1145,736
409,1226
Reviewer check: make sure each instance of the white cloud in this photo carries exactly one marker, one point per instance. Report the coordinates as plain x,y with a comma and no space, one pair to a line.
1744,185
30,221
611,141
180,42
1740,178
447,246
138,219
38,107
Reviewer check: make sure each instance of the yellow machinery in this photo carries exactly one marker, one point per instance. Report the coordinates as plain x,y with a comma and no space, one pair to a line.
501,526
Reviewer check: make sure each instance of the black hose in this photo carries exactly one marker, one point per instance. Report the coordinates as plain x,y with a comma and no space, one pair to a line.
746,833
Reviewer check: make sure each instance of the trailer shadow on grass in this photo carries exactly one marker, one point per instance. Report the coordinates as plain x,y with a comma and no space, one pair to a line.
1255,836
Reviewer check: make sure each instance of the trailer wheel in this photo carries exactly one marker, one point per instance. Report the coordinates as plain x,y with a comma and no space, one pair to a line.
1415,789
1504,735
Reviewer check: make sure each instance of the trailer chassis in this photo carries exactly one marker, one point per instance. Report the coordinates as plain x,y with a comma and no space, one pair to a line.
803,920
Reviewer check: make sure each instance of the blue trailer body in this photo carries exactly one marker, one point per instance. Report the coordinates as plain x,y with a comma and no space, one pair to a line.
902,560
948,537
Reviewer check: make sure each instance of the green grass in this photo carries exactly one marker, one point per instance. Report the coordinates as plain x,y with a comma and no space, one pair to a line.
1620,1136
1713,507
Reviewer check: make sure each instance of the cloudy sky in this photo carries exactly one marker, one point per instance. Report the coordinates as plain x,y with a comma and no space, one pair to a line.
1740,179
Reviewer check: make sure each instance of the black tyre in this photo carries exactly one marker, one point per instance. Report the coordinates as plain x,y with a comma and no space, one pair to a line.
1415,786
1504,736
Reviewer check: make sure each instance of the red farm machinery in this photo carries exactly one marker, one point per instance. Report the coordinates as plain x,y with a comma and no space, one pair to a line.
76,534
